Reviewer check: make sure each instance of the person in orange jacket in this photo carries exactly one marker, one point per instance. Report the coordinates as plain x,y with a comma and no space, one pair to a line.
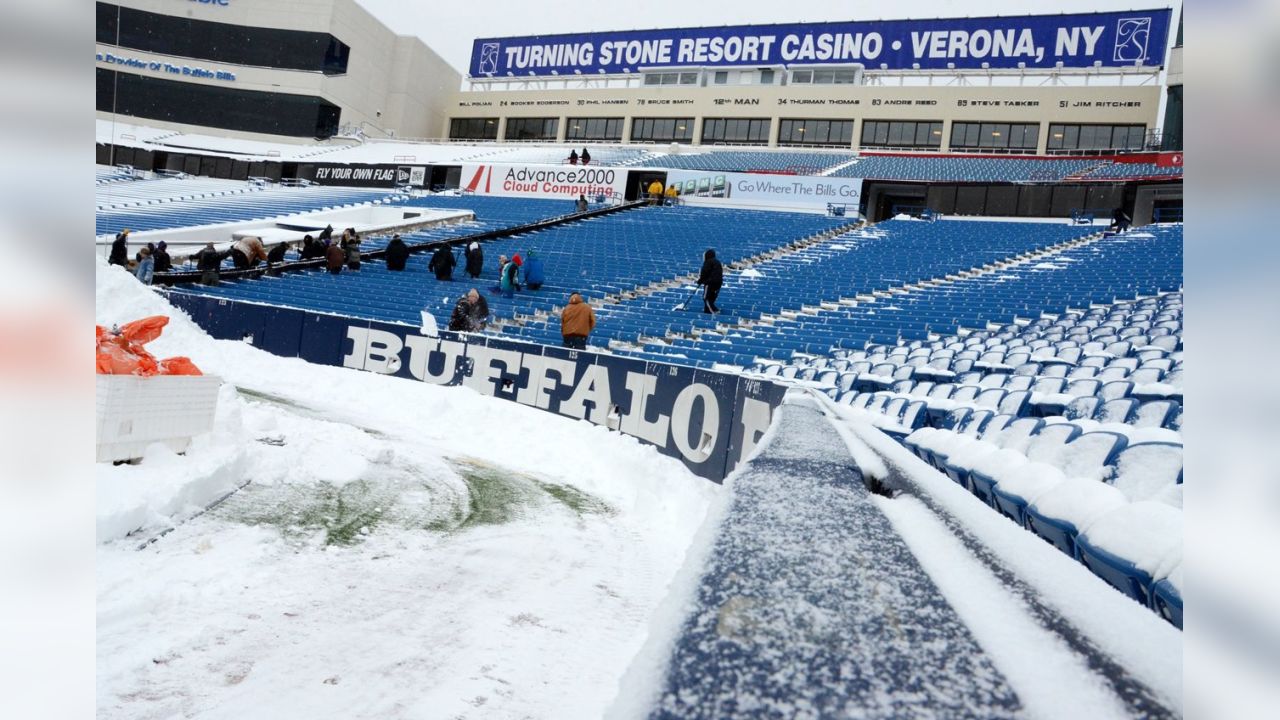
577,320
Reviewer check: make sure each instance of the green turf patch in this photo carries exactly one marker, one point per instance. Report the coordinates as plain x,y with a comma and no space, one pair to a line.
402,497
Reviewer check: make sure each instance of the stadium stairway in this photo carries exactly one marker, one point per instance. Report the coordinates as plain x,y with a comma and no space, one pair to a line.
811,603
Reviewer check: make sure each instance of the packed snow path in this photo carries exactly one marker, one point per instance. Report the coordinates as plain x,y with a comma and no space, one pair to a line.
813,606
821,599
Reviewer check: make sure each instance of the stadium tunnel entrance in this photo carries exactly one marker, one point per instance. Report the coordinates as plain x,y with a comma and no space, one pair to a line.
638,180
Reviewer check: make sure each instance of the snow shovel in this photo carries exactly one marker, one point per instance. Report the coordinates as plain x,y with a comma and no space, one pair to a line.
684,305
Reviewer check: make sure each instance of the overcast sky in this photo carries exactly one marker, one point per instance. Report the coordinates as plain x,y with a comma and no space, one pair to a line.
449,27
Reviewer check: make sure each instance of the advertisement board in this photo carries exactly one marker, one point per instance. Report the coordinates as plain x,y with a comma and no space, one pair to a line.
544,181
1081,40
799,191
710,421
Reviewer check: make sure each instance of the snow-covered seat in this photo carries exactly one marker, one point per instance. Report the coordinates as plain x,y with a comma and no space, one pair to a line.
1133,546
1090,456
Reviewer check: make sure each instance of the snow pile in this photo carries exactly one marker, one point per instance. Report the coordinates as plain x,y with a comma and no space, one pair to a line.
751,273
399,549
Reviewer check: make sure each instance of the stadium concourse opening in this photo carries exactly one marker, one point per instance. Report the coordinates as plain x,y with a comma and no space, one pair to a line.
925,460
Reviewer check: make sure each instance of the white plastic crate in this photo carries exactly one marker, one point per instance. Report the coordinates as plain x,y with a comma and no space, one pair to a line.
134,412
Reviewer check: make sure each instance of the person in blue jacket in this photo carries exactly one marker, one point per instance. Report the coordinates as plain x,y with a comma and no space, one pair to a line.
146,266
533,272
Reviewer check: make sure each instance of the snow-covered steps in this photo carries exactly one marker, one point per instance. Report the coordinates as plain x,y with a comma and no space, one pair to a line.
813,606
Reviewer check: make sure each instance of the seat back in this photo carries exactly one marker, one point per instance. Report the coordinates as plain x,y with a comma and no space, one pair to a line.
1083,388
921,389
1047,443
1115,389
1120,410
954,418
1049,385
976,421
941,391
913,416
994,380
990,398
1081,408
1143,470
1091,455
1018,433
894,407
1018,382
995,426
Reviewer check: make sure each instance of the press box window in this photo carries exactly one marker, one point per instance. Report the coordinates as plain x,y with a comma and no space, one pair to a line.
473,129
531,128
739,131
594,129
895,133
1012,136
815,132
1096,137
662,130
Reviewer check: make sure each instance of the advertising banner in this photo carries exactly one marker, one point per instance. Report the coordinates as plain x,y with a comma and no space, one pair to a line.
1082,40
800,191
710,421
544,181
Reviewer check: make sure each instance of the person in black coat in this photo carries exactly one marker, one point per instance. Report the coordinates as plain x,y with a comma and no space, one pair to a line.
208,261
442,263
711,278
275,257
164,263
470,312
325,234
120,249
310,248
397,253
475,259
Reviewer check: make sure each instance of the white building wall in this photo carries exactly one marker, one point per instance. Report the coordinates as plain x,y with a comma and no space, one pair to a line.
397,75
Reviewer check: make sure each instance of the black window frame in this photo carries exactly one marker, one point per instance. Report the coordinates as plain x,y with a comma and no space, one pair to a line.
543,128
736,131
902,134
1095,137
816,132
650,129
605,129
466,128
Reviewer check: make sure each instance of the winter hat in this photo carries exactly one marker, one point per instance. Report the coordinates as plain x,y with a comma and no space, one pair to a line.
163,245
516,259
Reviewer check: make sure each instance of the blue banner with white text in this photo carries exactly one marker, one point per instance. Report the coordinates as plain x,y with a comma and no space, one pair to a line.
1084,40
708,420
